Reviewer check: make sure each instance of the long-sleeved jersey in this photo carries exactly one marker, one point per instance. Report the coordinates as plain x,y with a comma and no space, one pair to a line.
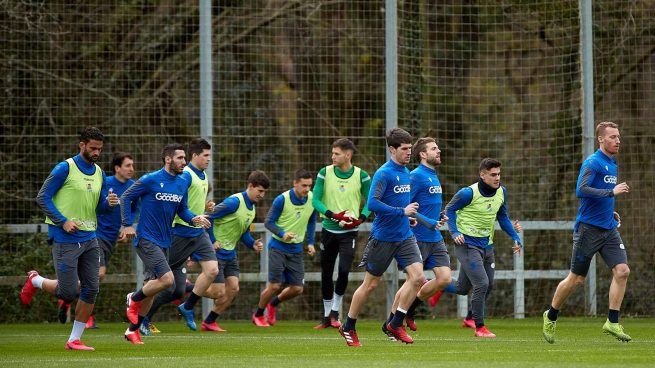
596,182
109,224
389,195
426,191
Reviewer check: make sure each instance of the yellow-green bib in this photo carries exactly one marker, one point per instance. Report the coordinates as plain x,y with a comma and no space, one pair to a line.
196,197
478,219
294,218
229,229
78,198
342,194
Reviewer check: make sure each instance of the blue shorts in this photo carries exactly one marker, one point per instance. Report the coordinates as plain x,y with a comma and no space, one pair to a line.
434,255
379,254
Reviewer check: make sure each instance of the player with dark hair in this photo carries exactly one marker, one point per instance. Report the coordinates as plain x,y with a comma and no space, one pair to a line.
391,237
71,196
231,223
337,196
472,215
163,194
596,231
290,219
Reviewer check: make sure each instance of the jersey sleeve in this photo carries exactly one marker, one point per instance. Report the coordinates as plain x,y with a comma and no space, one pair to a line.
131,195
51,185
460,200
273,215
378,187
588,173
366,189
504,221
317,199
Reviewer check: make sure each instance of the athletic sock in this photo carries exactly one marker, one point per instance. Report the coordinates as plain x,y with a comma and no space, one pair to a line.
260,312
275,301
412,309
37,281
211,317
451,288
327,306
349,324
613,316
554,313
398,318
77,331
337,301
135,326
138,296
469,314
479,325
191,301
388,320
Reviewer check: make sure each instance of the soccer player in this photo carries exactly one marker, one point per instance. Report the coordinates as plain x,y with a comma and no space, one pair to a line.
472,215
231,221
426,191
109,224
596,231
391,236
163,194
290,219
192,239
71,196
337,195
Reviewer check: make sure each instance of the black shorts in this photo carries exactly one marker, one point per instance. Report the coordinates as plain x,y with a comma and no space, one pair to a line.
199,246
106,250
285,268
227,269
589,240
154,258
434,255
379,254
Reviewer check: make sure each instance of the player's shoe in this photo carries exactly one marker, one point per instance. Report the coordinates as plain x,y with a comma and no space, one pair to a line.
325,323
63,311
400,334
548,330
145,326
334,319
270,314
468,323
188,317
28,290
434,299
132,310
616,330
153,329
390,336
212,327
133,336
91,323
409,321
350,336
77,345
259,321
483,332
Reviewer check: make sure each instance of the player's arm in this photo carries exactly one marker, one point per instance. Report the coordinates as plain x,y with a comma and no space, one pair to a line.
366,189
375,204
311,234
273,215
416,186
129,197
51,185
108,199
460,200
505,222
587,175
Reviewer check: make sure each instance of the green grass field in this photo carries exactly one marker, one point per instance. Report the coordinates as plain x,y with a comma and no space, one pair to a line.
295,344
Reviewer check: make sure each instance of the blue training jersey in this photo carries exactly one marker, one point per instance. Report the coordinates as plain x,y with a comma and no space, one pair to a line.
229,206
596,181
274,214
462,199
109,224
389,195
426,191
183,230
52,184
162,195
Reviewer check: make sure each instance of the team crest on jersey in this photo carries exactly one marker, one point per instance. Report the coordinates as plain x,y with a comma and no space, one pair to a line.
161,185
607,168
488,207
342,188
397,178
88,187
430,179
297,214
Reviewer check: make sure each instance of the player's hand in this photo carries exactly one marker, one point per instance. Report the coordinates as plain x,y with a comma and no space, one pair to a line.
341,216
128,233
311,250
517,226
289,236
202,221
459,239
442,219
621,188
617,217
209,206
258,246
71,226
411,209
413,222
217,245
517,248
354,224
112,198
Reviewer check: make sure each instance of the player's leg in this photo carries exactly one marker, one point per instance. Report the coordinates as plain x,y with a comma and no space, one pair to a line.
489,269
347,242
203,251
228,283
294,271
329,251
472,263
276,266
615,256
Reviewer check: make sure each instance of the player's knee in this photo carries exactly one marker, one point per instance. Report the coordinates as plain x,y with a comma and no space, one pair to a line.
167,280
481,286
274,287
234,289
297,289
89,294
621,271
444,281
211,271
